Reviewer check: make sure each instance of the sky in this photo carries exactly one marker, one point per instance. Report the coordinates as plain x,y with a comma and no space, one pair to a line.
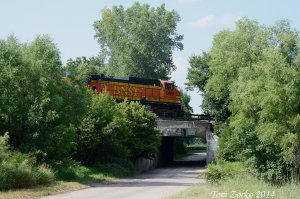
70,24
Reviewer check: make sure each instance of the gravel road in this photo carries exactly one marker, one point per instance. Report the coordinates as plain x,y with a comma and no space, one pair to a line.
157,183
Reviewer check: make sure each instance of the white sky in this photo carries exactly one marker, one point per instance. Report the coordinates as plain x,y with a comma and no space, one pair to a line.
70,24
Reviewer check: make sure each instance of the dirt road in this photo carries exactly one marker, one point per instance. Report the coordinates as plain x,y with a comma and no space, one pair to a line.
153,184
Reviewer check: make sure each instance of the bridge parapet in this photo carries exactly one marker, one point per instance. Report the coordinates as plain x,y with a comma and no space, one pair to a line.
183,128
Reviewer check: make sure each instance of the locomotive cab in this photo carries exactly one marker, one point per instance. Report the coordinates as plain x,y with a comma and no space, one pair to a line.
169,92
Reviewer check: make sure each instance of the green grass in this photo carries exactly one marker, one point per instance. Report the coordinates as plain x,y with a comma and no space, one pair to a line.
72,176
98,173
233,180
243,186
196,149
38,191
81,174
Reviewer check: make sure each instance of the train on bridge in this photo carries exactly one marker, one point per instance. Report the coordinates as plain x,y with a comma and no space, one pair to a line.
160,96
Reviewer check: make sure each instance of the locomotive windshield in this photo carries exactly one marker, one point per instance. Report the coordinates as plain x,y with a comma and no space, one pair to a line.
169,86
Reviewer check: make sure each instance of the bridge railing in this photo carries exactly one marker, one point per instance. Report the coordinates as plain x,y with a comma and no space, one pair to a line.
189,117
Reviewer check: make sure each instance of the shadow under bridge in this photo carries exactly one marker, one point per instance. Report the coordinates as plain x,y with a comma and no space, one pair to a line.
172,129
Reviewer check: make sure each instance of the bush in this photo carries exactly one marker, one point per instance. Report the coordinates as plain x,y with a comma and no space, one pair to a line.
223,170
73,171
70,171
44,175
20,174
121,131
18,170
117,167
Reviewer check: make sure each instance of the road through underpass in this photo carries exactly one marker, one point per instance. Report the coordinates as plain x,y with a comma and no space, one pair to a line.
157,183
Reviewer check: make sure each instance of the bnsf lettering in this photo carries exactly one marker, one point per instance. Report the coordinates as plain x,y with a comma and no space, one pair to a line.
170,92
126,91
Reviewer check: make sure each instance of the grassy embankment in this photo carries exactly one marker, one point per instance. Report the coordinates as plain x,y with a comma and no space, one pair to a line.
240,185
71,177
235,187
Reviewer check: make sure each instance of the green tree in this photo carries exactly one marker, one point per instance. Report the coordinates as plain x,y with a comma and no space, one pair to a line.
231,51
185,99
251,87
93,139
198,75
260,98
198,72
143,137
39,110
110,130
79,69
138,41
10,63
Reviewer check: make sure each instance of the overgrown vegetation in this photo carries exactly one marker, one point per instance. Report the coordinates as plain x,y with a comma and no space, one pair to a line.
18,170
105,172
51,120
216,173
250,81
57,128
112,131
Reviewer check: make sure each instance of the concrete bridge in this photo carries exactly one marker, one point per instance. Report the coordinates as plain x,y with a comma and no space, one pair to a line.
184,128
170,129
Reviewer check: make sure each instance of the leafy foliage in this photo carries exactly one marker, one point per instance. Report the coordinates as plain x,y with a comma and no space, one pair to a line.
223,171
198,73
185,100
138,41
18,170
78,70
92,138
252,89
53,118
37,108
111,130
143,138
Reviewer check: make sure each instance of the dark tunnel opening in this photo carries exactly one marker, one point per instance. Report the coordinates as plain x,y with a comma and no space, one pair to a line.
182,151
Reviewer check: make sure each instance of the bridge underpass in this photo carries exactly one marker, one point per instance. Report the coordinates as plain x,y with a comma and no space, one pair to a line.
172,129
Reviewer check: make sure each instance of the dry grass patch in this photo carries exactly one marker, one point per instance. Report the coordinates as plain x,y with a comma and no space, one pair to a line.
38,191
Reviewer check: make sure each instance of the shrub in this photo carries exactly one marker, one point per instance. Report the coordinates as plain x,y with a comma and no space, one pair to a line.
117,167
223,170
44,175
18,170
73,171
68,171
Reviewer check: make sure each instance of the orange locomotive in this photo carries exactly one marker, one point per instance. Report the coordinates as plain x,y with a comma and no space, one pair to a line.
161,96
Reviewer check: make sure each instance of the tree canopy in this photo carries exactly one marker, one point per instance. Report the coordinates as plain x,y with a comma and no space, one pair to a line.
55,118
138,41
251,84
37,107
185,99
